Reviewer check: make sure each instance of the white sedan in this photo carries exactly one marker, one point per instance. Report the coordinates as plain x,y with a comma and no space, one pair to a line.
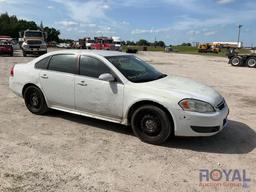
120,88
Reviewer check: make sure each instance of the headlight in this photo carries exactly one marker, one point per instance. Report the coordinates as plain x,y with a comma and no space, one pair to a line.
25,45
43,46
196,106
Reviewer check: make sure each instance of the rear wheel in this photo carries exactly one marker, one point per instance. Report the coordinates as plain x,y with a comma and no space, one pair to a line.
251,62
236,61
34,100
151,124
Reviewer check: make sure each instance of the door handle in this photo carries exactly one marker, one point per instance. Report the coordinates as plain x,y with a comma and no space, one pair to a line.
44,76
82,83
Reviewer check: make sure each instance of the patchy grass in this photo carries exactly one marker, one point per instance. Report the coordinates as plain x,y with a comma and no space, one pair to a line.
185,50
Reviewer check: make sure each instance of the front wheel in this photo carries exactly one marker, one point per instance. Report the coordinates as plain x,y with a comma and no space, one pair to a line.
251,62
151,124
34,100
236,61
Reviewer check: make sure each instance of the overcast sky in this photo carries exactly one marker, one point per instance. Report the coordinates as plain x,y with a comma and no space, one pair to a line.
174,21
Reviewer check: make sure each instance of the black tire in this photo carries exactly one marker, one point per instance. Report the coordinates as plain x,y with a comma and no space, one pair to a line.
236,61
151,124
34,100
11,54
24,54
251,62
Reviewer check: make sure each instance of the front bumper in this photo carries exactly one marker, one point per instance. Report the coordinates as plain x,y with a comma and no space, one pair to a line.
34,49
200,124
5,52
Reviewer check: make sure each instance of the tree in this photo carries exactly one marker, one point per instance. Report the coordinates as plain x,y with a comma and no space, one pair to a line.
41,25
66,40
186,44
53,34
143,42
159,43
130,43
11,26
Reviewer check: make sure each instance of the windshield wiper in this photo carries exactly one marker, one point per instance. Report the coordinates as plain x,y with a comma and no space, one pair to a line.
149,79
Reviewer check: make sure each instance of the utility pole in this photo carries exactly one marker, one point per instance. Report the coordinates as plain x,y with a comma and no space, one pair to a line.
239,31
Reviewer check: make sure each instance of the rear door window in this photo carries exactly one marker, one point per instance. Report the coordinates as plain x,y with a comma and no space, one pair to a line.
63,63
42,64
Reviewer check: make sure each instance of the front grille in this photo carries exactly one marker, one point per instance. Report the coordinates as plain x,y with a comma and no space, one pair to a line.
221,105
205,129
34,42
34,47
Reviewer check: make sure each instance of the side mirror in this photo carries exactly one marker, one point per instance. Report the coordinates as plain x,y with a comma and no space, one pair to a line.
107,77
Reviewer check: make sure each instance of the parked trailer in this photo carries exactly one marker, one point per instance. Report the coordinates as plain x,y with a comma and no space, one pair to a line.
237,59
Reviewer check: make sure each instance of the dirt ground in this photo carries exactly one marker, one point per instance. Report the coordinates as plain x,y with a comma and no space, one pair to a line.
64,152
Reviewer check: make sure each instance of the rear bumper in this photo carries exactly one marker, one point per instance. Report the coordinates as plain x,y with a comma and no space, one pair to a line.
15,87
200,124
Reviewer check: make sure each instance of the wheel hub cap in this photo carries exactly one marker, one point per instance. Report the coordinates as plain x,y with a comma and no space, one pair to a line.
252,62
35,100
235,61
151,125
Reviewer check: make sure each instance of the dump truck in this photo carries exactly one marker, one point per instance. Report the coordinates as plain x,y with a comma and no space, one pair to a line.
236,59
33,42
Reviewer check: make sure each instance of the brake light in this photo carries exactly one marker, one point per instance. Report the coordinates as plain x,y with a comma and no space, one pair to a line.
12,71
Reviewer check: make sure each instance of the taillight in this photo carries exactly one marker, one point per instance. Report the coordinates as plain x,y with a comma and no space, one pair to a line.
12,71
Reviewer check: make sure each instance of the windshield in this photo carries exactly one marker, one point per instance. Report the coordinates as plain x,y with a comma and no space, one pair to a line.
90,41
135,69
33,34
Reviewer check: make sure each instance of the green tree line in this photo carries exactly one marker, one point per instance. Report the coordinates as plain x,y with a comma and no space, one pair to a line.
143,42
11,26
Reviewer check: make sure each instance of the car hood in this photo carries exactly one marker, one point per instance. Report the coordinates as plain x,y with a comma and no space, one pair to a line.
186,88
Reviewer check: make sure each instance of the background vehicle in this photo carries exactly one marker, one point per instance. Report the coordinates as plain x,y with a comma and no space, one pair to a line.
228,44
63,45
209,48
89,42
236,59
103,43
117,43
6,48
33,42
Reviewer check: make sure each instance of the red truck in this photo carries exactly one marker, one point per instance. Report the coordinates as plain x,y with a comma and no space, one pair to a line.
103,43
5,45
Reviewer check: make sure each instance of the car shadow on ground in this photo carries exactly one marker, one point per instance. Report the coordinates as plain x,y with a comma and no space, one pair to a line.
91,122
237,138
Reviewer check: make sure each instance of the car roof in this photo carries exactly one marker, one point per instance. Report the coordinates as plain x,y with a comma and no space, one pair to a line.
102,53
